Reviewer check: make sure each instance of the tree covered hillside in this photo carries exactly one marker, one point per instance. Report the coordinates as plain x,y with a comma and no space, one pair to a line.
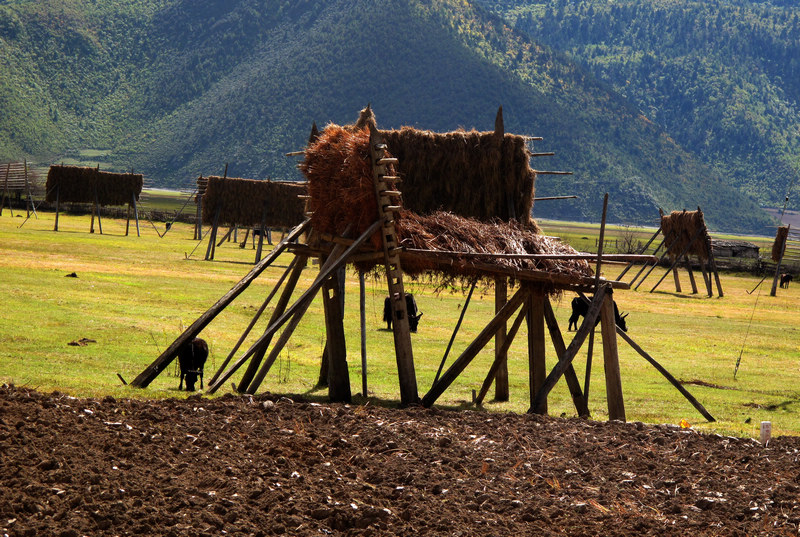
179,88
721,76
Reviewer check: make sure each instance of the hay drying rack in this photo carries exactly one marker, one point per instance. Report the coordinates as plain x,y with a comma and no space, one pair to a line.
530,303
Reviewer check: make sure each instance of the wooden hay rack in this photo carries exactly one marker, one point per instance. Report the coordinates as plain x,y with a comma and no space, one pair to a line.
785,252
685,241
376,240
257,205
18,180
79,184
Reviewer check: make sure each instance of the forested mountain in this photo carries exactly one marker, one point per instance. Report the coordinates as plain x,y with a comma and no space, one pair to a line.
179,88
721,76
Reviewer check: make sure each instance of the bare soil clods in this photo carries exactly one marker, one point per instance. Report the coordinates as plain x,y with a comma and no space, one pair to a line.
269,465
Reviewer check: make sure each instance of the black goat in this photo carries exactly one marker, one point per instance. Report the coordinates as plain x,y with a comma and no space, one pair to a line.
411,307
191,359
785,279
580,308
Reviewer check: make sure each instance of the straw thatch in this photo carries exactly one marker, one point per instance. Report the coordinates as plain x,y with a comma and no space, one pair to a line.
680,228
779,246
77,184
246,202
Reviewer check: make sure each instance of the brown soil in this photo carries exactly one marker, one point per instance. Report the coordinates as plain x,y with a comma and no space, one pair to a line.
268,465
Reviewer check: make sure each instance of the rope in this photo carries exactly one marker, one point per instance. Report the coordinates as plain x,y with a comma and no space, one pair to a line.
747,333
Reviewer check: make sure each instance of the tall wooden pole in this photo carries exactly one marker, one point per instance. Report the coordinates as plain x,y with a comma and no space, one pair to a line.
537,368
616,404
501,391
362,300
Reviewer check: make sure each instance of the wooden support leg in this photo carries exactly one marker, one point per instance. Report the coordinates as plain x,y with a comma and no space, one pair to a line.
691,274
677,280
537,368
362,299
338,375
153,370
324,367
569,375
297,267
213,238
616,405
565,360
58,191
716,275
706,278
501,392
492,374
128,220
475,347
136,215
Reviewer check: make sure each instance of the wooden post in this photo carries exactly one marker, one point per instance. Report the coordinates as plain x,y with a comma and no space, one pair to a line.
198,223
324,366
616,405
153,370
561,350
212,239
128,219
706,278
30,205
455,330
691,274
261,234
135,213
716,273
677,279
94,208
537,368
58,191
338,374
362,300
566,358
643,250
490,376
774,289
501,391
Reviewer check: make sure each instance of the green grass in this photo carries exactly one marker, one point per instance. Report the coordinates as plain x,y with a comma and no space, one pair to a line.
134,296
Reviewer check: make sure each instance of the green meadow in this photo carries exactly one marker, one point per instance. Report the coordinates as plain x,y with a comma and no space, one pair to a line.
134,295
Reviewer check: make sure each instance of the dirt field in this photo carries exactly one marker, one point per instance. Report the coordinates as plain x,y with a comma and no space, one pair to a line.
270,466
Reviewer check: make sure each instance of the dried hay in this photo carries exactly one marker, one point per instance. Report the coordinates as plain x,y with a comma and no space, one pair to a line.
342,195
680,228
444,231
779,246
77,184
246,202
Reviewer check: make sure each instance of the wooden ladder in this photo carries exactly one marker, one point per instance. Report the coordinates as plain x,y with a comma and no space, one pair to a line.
385,192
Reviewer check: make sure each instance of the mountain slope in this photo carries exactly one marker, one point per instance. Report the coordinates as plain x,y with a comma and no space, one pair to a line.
720,76
187,87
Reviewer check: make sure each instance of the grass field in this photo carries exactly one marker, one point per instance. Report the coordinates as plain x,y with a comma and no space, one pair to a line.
134,295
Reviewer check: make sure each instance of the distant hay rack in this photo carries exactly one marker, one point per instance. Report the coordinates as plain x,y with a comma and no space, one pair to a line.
250,202
78,184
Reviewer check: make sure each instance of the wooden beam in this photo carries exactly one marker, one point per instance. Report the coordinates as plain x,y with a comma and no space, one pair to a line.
475,347
570,376
691,274
616,404
695,403
455,330
338,375
566,358
362,299
153,370
503,355
295,270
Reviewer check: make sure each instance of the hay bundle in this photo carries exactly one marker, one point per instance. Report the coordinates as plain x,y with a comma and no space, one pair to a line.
77,184
469,173
444,231
340,182
246,202
779,245
680,228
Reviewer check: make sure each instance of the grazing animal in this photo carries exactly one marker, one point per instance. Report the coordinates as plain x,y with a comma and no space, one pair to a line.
191,359
785,279
581,308
411,307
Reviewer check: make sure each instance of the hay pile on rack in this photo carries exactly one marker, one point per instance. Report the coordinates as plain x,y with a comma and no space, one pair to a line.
680,228
779,245
78,184
246,202
342,194
446,232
